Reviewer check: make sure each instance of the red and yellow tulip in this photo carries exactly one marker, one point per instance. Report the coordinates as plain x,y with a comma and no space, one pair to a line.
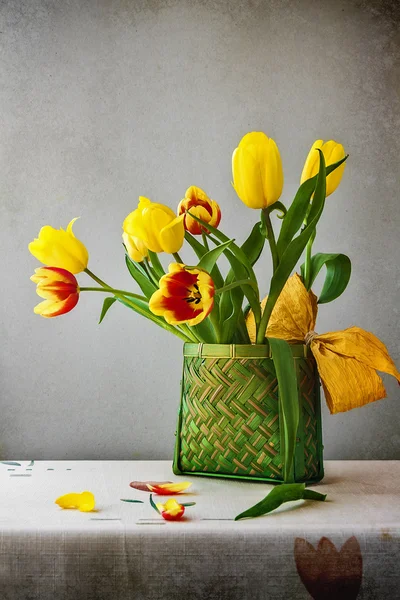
84,502
171,510
169,489
201,206
186,295
333,152
59,288
156,225
60,248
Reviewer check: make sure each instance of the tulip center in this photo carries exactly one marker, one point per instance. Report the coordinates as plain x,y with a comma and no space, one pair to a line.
194,296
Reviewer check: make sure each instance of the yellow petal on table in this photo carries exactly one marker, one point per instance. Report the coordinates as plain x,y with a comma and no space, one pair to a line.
84,502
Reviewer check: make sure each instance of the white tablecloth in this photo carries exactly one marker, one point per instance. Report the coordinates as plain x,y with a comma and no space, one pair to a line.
126,551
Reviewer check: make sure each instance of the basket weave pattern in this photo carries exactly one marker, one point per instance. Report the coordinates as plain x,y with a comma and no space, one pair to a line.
230,418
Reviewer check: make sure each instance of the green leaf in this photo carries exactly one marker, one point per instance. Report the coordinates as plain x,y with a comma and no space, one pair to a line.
289,402
298,209
231,315
157,266
240,273
286,492
188,503
209,259
200,250
153,504
338,272
10,463
238,252
280,208
295,249
148,288
108,302
205,331
134,501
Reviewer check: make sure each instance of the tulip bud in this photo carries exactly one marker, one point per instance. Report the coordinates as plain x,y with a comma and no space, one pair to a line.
333,152
257,170
156,225
135,248
59,288
199,204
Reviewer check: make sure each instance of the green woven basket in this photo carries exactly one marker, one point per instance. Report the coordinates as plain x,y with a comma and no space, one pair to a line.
230,415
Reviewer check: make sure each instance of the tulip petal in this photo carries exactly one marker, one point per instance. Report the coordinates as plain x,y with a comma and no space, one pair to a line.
311,166
186,295
85,502
167,489
60,248
172,235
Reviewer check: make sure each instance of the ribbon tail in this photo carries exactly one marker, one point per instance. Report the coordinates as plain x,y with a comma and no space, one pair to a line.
347,363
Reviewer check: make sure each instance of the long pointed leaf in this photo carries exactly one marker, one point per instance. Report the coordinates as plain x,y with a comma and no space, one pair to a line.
200,250
295,249
288,400
148,288
238,252
338,272
209,259
287,492
108,302
230,306
157,266
298,209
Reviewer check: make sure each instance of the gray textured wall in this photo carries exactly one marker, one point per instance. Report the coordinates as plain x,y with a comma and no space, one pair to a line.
102,101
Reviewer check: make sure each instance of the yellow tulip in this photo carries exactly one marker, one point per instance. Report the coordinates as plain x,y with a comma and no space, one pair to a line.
59,248
333,152
257,170
135,248
156,225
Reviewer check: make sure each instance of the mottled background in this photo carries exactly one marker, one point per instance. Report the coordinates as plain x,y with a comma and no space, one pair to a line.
102,101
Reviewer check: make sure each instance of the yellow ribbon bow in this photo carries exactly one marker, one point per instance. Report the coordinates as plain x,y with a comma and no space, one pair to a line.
347,360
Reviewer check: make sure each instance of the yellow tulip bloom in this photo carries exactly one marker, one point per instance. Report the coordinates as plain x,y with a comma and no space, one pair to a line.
156,225
333,152
257,170
59,248
135,248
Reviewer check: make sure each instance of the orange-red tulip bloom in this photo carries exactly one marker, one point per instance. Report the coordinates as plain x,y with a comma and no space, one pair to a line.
186,295
201,206
59,288
171,510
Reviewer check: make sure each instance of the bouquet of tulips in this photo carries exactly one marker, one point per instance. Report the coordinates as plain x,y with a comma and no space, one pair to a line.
196,301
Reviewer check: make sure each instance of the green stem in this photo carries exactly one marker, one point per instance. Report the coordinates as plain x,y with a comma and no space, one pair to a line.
149,271
93,276
307,264
264,322
231,286
205,241
271,240
113,291
188,331
262,327
137,308
178,258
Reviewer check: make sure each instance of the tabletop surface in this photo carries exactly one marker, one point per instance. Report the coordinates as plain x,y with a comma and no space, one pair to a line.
360,494
345,547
